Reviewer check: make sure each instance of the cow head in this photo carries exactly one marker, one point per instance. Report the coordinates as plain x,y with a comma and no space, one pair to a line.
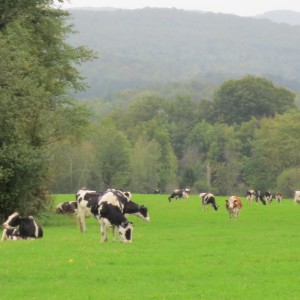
125,232
12,221
143,213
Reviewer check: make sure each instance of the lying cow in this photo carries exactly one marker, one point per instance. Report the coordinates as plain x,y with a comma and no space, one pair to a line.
297,197
183,193
278,197
11,234
233,206
68,208
208,199
18,227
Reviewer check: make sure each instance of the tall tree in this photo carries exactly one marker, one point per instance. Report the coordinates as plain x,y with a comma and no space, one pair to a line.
38,70
237,101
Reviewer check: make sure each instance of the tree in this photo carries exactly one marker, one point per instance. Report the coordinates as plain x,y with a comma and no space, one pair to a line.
274,149
38,70
112,167
237,101
145,166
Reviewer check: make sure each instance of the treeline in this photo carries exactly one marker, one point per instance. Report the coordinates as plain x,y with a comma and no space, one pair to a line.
246,137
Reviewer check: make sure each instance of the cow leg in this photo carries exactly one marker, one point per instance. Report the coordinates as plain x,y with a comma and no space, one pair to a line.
115,232
4,235
103,230
81,220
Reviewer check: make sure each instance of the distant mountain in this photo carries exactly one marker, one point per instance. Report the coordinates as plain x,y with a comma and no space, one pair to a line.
282,16
147,47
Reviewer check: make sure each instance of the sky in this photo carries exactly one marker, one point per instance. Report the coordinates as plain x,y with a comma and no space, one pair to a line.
237,7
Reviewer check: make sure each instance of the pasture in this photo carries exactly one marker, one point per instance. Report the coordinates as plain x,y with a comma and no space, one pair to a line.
183,253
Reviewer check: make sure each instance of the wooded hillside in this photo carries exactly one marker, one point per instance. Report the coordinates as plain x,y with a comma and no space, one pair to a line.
142,48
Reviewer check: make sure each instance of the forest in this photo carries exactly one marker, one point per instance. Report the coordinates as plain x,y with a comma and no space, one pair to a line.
224,138
246,137
148,47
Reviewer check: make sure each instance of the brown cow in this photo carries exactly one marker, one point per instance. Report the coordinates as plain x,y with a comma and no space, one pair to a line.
233,206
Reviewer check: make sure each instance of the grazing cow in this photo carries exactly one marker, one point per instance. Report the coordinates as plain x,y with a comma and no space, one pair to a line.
89,203
68,208
111,213
297,197
18,227
233,206
208,199
266,198
278,197
183,193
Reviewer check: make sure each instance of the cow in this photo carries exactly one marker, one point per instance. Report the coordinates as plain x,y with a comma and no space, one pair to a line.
69,208
250,195
265,198
157,191
11,234
233,206
182,193
278,197
87,204
111,213
18,227
208,199
297,197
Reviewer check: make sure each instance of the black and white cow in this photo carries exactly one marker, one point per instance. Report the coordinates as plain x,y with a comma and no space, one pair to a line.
252,195
18,227
265,198
182,193
208,199
157,191
87,204
69,208
111,212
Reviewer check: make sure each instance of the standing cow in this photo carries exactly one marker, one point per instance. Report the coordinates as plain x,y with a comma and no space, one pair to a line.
278,197
182,193
266,198
297,197
87,202
233,206
18,227
110,212
250,195
208,199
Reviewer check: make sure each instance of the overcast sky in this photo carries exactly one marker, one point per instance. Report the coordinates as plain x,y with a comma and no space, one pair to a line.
237,7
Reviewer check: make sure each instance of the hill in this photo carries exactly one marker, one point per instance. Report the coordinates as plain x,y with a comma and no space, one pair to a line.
282,16
148,47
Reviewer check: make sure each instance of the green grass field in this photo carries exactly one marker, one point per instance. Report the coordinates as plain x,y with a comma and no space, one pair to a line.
183,253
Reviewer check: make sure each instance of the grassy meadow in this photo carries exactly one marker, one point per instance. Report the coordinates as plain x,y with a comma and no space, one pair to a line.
183,253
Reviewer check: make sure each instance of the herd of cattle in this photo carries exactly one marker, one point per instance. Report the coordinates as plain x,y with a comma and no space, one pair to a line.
111,208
